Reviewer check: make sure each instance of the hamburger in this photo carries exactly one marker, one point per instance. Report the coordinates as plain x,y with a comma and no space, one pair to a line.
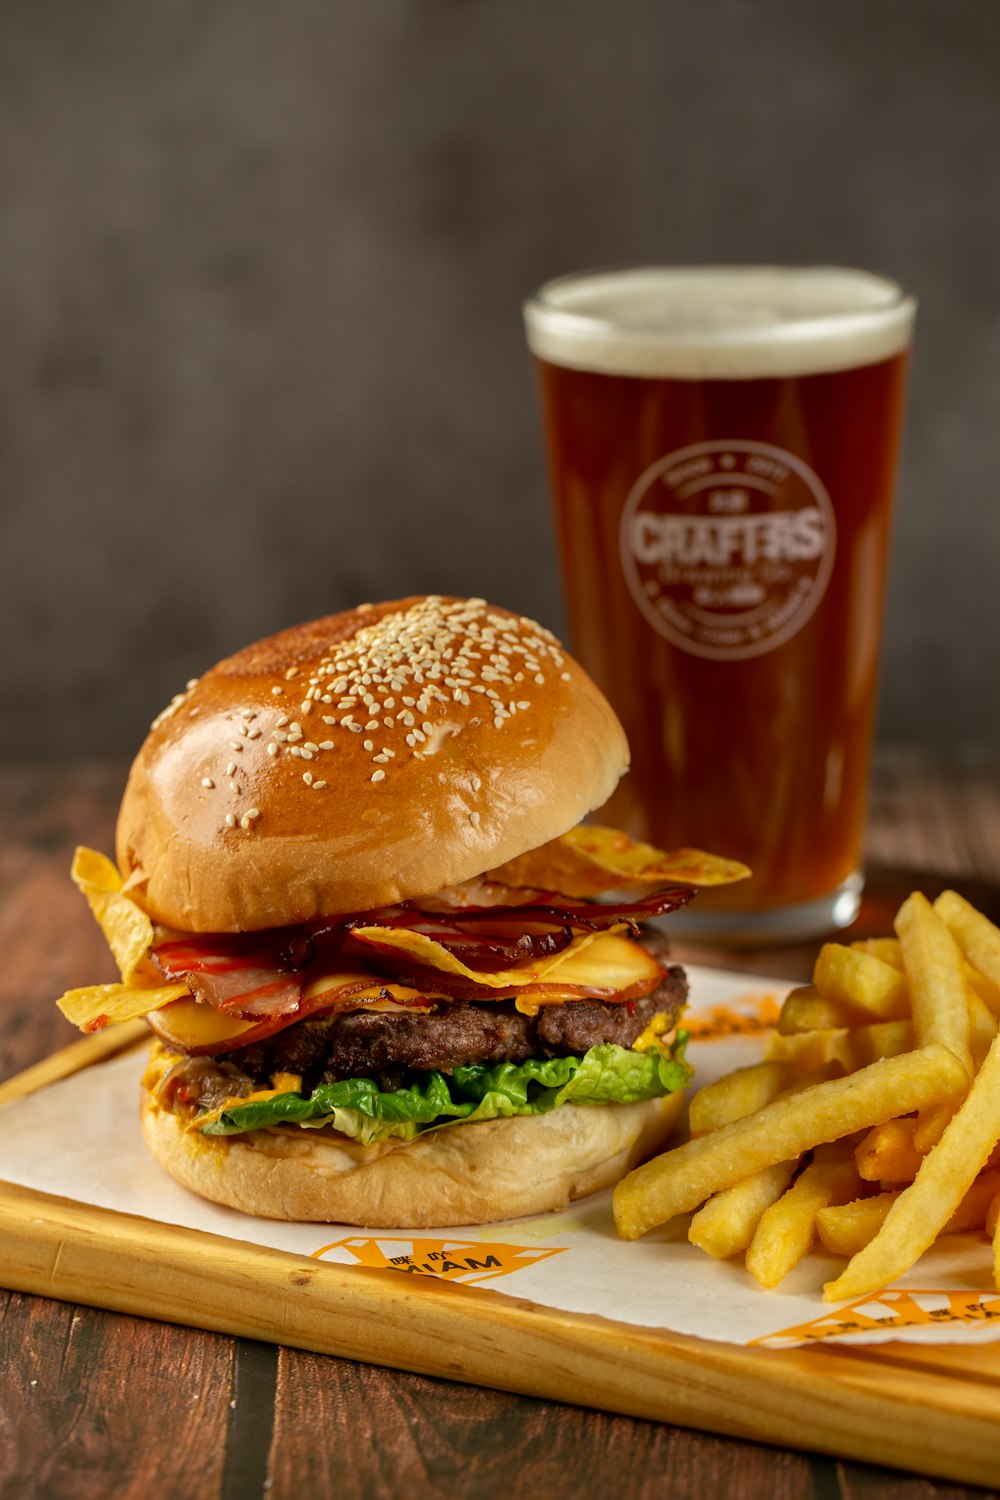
391,979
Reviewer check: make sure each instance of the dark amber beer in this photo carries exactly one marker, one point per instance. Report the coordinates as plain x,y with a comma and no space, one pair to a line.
723,446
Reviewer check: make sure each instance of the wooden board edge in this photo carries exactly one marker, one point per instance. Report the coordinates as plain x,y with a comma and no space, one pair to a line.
803,1399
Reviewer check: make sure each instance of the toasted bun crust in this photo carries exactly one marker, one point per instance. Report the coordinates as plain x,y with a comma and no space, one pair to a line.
466,1174
499,741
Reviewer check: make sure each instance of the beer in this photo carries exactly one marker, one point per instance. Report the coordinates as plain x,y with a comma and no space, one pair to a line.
723,446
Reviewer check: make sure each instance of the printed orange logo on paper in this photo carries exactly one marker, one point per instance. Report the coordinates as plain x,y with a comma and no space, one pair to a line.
449,1260
888,1311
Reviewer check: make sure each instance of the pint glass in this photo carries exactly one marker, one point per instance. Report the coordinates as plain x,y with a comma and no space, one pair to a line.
722,445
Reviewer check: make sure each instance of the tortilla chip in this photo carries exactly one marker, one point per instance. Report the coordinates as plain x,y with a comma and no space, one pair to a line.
100,1005
128,930
590,860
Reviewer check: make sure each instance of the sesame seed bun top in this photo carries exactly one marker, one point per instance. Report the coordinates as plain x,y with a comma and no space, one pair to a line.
361,759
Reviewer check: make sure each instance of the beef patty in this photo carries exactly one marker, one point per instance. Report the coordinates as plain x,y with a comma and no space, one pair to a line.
365,1044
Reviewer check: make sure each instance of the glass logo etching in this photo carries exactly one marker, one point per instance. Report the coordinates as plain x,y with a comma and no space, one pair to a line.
727,547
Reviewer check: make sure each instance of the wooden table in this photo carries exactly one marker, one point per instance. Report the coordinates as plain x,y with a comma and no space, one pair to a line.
96,1404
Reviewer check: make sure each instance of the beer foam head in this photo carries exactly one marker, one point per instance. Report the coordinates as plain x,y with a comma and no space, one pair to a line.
719,322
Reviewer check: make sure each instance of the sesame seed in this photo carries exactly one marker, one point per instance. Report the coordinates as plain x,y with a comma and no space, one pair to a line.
309,745
276,691
245,821
524,704
474,819
192,682
476,783
326,744
230,768
564,677
427,728
291,672
411,740
295,727
253,734
318,785
294,750
386,751
372,724
306,754
230,820
381,760
207,781
388,722
354,728
329,719
281,720
305,706
307,777
235,745
378,776
539,678
253,812
234,786
272,748
369,745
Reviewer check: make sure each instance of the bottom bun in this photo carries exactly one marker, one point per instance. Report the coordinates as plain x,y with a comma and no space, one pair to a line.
465,1174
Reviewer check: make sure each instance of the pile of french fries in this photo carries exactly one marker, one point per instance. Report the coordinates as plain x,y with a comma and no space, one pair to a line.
873,1125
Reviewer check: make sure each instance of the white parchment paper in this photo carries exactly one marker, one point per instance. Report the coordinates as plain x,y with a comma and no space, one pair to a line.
80,1139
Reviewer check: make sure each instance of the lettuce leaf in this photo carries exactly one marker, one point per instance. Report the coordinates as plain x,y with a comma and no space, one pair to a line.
605,1074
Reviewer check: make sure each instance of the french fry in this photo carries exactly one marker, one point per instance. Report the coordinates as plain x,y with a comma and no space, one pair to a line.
987,991
975,934
729,1100
885,948
887,1153
923,1209
808,1050
805,1009
849,1227
787,1230
931,1126
974,1208
682,1179
737,1094
982,1026
993,1216
725,1224
866,1044
937,985
862,982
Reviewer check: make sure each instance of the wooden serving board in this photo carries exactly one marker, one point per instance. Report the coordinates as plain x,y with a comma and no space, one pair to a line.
934,1409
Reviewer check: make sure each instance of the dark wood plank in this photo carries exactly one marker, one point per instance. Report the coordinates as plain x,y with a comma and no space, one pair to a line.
861,1482
93,1404
408,1434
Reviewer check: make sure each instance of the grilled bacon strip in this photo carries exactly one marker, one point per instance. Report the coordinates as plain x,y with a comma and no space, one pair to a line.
261,976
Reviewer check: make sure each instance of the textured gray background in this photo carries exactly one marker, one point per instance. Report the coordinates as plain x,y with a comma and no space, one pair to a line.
260,270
